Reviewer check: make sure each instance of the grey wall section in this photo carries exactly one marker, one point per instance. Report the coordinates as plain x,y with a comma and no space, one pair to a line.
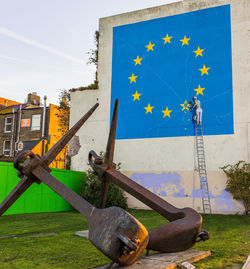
167,166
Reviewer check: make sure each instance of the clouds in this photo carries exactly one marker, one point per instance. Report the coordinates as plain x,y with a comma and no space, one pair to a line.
6,32
11,58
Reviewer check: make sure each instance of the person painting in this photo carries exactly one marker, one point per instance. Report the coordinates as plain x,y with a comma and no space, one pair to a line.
198,111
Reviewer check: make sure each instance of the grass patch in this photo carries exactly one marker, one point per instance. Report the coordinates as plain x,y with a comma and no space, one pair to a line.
229,241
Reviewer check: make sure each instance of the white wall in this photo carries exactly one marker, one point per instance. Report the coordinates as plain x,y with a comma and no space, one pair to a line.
172,155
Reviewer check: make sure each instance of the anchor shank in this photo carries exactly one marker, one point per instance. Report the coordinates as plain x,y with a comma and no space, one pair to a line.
144,195
20,188
109,154
53,152
81,205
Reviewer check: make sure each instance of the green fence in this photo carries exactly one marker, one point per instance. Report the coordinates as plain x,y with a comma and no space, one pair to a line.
38,198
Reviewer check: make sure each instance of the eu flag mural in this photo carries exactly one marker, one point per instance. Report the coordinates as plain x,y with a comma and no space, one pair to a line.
159,65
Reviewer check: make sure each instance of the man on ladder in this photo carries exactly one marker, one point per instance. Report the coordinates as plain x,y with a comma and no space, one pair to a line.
198,111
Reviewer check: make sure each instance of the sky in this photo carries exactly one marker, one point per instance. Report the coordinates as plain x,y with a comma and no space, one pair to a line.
44,44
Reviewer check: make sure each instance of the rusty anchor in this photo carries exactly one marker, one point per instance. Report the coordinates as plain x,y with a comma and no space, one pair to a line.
184,227
112,230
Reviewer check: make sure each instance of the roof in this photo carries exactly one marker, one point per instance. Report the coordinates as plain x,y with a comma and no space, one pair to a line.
7,102
9,109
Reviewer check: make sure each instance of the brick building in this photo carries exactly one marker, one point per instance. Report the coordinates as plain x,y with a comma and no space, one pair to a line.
29,126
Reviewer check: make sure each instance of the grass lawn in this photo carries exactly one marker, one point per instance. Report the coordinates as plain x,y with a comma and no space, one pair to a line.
60,248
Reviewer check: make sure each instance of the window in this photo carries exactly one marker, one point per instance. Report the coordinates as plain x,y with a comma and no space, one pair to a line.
36,122
6,148
7,125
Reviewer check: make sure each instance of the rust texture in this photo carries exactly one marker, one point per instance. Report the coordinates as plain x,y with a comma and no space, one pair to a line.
113,231
185,226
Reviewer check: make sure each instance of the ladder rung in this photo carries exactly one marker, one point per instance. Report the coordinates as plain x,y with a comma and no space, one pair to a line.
200,151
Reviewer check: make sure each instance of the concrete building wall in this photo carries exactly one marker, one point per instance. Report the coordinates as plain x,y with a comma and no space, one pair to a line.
168,166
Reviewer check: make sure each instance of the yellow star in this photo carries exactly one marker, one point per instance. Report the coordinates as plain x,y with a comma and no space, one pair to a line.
199,90
167,39
133,78
137,60
198,52
149,108
185,106
185,40
136,96
150,46
166,112
204,70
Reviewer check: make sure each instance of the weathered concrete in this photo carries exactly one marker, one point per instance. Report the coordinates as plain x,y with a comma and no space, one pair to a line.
142,155
164,260
247,263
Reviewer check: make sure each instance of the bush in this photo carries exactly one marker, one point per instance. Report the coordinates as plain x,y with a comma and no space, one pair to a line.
91,191
238,182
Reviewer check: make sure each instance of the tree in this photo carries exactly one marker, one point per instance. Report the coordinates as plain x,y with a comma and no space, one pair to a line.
63,111
93,58
238,182
90,190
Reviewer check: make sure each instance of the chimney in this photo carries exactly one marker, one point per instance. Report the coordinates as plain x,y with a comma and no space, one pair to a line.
34,99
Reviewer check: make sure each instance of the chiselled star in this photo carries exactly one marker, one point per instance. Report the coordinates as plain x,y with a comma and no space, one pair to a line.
198,52
137,60
166,112
204,70
150,46
136,96
185,106
199,90
167,39
185,40
149,108
133,78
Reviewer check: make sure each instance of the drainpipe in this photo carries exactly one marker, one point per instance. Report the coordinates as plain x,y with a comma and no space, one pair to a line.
12,132
44,121
44,115
19,127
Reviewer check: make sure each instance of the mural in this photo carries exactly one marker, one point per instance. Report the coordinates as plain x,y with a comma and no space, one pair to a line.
159,65
173,185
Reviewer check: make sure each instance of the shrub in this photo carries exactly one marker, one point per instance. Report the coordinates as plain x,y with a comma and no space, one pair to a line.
238,182
91,191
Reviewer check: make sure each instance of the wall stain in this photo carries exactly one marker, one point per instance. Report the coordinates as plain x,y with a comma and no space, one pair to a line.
172,184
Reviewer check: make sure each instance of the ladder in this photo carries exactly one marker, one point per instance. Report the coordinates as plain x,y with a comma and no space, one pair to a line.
202,169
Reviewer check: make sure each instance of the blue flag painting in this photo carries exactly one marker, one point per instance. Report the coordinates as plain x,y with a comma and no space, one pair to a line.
160,64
